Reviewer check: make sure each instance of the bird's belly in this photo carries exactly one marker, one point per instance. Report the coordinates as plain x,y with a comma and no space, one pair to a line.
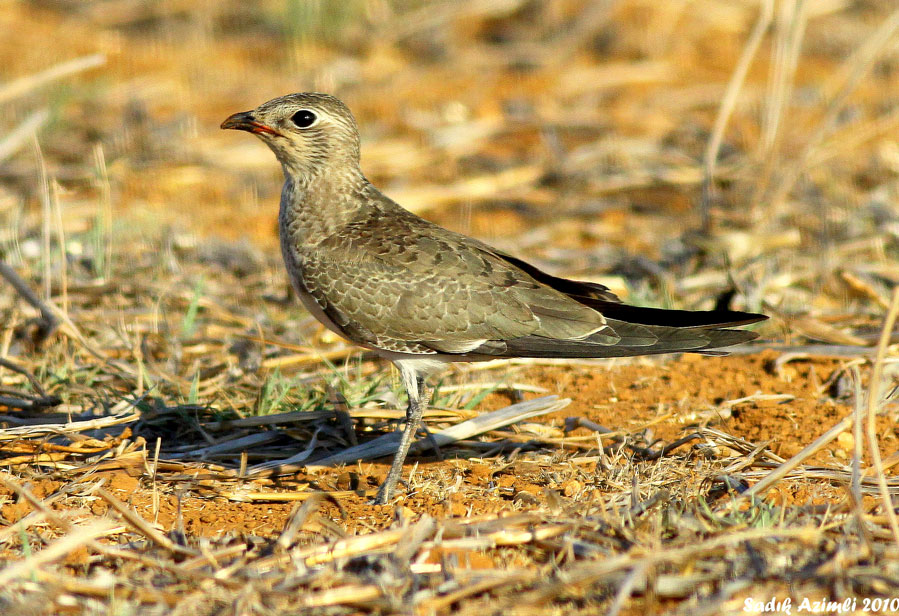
315,310
295,274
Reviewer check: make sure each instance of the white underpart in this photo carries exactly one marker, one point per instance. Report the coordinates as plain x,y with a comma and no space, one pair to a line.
462,346
414,367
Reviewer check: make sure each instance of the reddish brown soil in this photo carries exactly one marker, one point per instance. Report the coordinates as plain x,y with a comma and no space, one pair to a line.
630,396
671,398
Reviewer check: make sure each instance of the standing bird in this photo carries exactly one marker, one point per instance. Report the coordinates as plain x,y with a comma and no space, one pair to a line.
420,295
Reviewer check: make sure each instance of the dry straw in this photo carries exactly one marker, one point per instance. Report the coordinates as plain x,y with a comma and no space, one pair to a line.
187,441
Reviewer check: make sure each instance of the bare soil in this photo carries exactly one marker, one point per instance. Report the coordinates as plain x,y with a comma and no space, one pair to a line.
660,401
576,134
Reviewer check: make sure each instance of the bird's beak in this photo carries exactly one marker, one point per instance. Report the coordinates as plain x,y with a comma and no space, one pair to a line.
245,121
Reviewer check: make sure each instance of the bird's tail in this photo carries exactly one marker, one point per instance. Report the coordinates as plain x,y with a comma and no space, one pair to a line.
641,331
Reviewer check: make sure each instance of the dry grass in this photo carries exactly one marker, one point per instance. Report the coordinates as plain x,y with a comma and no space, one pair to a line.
670,150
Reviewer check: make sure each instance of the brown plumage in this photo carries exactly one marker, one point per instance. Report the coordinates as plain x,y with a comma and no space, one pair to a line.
421,295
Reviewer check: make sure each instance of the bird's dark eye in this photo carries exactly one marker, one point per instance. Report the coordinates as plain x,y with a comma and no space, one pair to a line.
304,118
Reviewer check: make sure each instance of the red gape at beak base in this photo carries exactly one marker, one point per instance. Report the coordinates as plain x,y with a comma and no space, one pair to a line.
257,128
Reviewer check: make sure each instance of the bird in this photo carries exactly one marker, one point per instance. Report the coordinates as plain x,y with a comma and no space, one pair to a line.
421,295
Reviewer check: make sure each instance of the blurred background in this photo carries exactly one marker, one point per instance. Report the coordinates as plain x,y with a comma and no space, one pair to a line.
673,150
686,153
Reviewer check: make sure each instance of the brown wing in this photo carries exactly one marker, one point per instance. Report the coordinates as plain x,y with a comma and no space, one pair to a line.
403,284
436,288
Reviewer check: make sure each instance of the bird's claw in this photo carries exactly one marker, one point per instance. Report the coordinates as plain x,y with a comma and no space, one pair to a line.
381,497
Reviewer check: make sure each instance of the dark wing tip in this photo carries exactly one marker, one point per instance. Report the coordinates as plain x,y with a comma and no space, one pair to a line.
676,318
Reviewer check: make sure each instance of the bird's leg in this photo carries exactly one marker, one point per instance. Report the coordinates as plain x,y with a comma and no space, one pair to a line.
423,430
414,384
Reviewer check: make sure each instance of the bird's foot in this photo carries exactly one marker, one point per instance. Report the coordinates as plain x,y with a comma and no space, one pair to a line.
381,497
386,491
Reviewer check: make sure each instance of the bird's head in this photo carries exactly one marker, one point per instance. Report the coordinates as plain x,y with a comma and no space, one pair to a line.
308,132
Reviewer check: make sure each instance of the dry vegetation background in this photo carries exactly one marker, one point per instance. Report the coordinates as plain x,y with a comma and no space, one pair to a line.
682,152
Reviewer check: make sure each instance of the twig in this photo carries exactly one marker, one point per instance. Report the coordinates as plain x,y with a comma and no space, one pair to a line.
499,579
855,483
72,426
17,137
784,469
857,66
587,572
50,322
387,444
627,586
50,314
874,389
24,85
297,518
236,444
79,536
787,45
728,102
350,593
6,363
142,526
26,402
